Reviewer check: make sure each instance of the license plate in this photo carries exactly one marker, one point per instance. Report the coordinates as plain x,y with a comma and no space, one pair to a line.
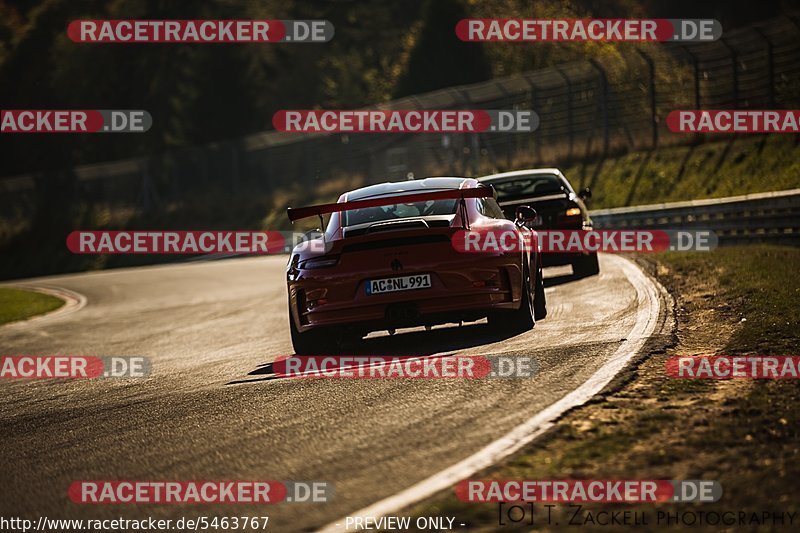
399,283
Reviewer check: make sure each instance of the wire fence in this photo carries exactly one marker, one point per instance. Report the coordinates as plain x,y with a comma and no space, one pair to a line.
588,110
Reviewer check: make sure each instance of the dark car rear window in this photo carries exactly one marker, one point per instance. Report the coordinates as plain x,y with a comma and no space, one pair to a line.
533,185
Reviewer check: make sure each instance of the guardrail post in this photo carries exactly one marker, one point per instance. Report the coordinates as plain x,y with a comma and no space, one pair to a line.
509,149
603,103
651,67
148,196
696,65
770,66
570,127
474,140
535,105
697,99
734,72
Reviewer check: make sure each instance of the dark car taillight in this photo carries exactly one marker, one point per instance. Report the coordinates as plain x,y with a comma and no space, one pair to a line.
570,215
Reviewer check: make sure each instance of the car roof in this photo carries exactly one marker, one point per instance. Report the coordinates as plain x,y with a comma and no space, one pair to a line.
515,173
401,187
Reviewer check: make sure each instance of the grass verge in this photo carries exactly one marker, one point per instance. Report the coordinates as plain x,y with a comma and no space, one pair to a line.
714,169
17,304
743,433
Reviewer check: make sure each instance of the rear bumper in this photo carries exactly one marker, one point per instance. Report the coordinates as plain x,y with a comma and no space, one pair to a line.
452,297
416,312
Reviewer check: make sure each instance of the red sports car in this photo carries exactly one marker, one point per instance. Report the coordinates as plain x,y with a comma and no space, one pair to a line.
386,261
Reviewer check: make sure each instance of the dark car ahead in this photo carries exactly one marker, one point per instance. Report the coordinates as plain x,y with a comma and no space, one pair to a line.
557,204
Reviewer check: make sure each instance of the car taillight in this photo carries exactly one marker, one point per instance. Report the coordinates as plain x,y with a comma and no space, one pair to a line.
573,212
320,262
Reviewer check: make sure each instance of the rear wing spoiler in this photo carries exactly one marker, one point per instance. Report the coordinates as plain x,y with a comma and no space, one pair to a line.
452,194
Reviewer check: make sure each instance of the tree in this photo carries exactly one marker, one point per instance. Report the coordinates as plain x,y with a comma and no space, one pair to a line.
439,58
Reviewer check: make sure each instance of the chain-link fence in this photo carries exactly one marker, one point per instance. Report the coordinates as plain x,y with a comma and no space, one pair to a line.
588,110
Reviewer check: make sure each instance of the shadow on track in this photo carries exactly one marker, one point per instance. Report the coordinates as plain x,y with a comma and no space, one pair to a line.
438,341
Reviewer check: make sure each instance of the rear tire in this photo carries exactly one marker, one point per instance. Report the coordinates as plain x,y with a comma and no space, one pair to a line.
586,266
312,342
517,320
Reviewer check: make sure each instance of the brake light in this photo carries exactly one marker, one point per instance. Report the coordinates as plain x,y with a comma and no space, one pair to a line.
573,212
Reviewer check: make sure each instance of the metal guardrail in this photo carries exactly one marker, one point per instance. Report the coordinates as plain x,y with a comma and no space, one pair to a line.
771,217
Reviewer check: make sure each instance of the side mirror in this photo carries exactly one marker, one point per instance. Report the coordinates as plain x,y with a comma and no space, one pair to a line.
524,215
586,193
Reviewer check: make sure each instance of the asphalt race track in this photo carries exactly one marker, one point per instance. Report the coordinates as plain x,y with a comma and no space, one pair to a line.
210,410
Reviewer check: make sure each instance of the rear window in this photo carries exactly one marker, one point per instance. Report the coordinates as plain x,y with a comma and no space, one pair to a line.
534,185
398,211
